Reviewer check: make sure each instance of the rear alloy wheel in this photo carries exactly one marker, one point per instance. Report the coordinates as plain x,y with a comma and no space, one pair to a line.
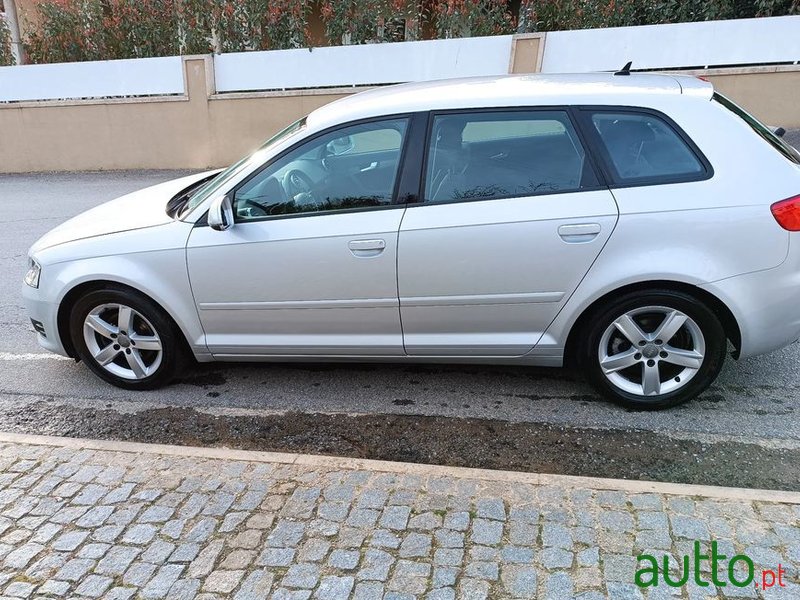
126,339
654,350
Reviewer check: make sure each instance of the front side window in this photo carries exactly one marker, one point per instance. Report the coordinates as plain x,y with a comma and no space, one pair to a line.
354,167
219,181
504,154
642,146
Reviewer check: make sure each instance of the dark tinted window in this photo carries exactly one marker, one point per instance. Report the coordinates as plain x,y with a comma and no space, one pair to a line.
761,129
643,146
353,167
489,155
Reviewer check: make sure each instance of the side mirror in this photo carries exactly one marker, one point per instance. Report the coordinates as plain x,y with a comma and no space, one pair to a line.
780,132
220,213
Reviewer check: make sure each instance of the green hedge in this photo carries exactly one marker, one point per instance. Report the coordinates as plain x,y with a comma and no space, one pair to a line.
6,58
553,15
467,18
75,30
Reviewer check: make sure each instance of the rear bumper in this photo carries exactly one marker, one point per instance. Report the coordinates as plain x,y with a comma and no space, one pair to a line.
45,313
766,304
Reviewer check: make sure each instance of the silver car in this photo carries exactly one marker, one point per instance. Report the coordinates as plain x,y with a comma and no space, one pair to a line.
639,226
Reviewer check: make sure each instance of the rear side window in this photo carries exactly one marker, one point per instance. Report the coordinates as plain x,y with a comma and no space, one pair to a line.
504,154
761,129
644,148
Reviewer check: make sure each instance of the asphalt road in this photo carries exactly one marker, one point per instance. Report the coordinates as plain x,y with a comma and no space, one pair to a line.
747,421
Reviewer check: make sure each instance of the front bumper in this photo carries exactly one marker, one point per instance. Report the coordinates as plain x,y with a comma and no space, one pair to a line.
45,313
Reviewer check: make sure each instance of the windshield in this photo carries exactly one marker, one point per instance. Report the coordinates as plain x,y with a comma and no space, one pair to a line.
236,168
761,129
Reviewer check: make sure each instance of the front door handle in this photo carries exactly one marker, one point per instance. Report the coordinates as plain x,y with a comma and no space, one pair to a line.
366,248
579,233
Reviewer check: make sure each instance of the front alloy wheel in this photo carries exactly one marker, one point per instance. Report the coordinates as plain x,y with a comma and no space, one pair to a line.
653,349
122,341
126,339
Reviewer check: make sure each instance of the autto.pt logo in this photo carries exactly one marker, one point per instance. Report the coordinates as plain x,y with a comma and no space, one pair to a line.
738,571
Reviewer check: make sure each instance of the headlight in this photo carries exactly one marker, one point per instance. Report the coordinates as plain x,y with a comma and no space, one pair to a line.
32,276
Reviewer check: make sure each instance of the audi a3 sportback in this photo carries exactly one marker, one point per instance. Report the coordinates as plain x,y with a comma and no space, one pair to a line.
637,225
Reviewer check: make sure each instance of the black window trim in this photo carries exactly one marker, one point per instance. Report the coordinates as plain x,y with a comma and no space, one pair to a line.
566,109
409,190
395,203
412,160
597,147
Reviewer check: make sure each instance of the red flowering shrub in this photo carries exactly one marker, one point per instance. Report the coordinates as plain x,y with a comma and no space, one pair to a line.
284,24
467,18
773,8
139,28
75,30
237,26
6,58
69,31
367,21
553,15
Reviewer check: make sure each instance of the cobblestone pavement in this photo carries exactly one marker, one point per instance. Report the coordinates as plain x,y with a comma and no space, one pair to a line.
117,524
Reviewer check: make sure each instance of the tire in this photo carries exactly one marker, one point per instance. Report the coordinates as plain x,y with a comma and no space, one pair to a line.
111,351
622,352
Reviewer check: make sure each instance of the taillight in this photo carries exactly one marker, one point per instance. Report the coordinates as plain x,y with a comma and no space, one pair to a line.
787,213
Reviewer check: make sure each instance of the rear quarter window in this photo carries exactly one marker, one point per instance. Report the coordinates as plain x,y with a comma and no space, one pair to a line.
759,128
643,148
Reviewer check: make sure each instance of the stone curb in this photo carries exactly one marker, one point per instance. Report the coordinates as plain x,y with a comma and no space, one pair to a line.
332,462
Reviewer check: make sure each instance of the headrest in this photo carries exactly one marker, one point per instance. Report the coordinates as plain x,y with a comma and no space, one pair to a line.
624,131
448,134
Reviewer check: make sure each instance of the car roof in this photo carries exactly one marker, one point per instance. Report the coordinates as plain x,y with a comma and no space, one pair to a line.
507,90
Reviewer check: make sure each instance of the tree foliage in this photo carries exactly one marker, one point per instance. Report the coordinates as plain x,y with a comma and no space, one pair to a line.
6,58
75,30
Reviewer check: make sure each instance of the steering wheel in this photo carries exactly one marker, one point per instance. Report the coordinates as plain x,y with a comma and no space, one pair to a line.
252,209
298,186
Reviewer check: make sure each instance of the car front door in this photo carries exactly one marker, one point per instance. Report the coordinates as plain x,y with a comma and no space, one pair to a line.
309,265
512,216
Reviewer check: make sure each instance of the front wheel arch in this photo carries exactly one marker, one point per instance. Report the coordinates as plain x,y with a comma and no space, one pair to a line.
72,296
729,323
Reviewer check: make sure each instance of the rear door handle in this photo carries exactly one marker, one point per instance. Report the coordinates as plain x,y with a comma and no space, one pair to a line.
366,248
579,233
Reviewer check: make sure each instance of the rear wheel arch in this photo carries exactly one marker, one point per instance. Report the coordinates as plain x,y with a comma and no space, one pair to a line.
726,317
74,294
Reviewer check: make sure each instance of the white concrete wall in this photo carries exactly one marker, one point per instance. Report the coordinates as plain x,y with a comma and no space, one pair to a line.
93,79
715,43
362,64
700,45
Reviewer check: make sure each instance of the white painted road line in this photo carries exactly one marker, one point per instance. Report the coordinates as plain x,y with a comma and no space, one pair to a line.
31,356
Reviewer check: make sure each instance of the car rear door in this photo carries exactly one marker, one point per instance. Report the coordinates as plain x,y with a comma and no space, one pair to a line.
511,217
